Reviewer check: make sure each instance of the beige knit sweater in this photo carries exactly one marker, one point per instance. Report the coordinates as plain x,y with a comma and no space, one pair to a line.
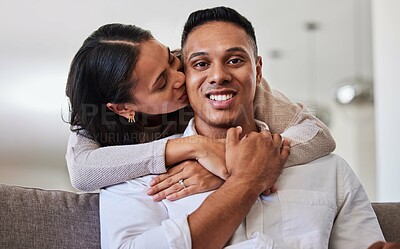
92,167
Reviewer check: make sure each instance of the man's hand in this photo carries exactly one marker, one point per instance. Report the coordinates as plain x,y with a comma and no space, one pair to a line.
257,157
384,245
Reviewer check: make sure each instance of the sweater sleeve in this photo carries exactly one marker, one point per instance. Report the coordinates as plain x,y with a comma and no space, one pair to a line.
309,137
92,167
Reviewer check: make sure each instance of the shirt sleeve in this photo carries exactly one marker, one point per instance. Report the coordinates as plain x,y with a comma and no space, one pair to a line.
355,216
309,137
92,167
131,219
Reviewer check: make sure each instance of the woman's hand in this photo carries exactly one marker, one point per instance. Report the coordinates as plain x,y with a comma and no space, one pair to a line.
211,155
208,152
196,179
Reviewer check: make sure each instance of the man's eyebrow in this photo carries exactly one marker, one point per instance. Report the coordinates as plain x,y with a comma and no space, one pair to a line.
163,72
197,54
236,49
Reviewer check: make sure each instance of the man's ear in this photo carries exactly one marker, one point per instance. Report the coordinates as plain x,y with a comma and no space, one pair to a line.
124,110
258,69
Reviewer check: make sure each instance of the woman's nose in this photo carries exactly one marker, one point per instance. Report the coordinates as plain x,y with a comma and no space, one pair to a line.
179,79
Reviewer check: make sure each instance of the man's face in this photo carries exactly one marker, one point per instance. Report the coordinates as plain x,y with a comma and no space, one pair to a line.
221,74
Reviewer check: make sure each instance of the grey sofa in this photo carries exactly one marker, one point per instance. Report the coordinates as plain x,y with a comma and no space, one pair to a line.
36,218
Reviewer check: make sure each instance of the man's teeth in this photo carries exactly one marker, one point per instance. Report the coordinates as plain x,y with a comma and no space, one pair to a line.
223,97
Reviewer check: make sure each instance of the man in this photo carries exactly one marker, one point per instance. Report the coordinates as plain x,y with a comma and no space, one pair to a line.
318,204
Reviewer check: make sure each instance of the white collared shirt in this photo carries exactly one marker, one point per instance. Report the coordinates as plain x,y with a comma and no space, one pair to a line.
318,205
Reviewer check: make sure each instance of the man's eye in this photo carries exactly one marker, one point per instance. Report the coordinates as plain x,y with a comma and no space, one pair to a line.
235,61
201,64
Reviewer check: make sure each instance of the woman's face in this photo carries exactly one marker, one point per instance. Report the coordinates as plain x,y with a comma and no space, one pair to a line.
161,83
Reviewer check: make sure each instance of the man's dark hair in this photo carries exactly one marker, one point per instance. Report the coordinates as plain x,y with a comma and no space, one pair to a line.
219,14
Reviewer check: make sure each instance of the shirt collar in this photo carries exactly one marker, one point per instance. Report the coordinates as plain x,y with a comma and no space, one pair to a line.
191,129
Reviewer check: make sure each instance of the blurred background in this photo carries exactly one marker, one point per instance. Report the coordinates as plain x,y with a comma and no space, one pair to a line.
341,58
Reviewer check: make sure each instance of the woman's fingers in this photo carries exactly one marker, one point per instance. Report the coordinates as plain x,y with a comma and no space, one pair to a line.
177,190
164,181
161,178
182,193
190,178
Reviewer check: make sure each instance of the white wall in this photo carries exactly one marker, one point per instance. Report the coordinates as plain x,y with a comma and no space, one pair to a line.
386,40
39,39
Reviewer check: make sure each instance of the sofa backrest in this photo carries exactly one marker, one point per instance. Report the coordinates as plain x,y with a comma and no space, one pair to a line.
36,218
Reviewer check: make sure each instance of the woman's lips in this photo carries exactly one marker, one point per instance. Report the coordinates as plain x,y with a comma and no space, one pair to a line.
183,96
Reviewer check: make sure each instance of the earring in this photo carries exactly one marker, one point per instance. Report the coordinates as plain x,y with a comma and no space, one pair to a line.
131,118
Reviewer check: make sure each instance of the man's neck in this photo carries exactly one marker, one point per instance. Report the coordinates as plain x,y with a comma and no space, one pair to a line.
218,132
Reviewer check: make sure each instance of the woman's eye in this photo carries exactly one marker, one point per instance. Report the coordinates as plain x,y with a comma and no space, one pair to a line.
164,84
172,59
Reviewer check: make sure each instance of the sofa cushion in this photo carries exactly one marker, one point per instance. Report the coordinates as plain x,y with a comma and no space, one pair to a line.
35,218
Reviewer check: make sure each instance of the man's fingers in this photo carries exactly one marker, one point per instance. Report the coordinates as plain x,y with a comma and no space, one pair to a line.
266,133
377,245
233,134
285,149
271,190
277,140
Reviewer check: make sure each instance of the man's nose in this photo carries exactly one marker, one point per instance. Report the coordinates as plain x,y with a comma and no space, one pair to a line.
219,74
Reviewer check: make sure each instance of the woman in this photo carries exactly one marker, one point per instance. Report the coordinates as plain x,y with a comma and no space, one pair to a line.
123,108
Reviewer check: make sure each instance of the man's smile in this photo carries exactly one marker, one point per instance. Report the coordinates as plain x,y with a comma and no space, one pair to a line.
221,99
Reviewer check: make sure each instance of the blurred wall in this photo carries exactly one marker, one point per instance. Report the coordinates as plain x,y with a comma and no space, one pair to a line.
308,47
386,39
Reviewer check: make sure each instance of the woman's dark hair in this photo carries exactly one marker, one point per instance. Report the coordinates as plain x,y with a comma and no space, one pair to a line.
101,73
219,14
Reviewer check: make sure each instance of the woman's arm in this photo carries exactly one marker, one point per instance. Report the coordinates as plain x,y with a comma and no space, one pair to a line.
92,167
309,137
